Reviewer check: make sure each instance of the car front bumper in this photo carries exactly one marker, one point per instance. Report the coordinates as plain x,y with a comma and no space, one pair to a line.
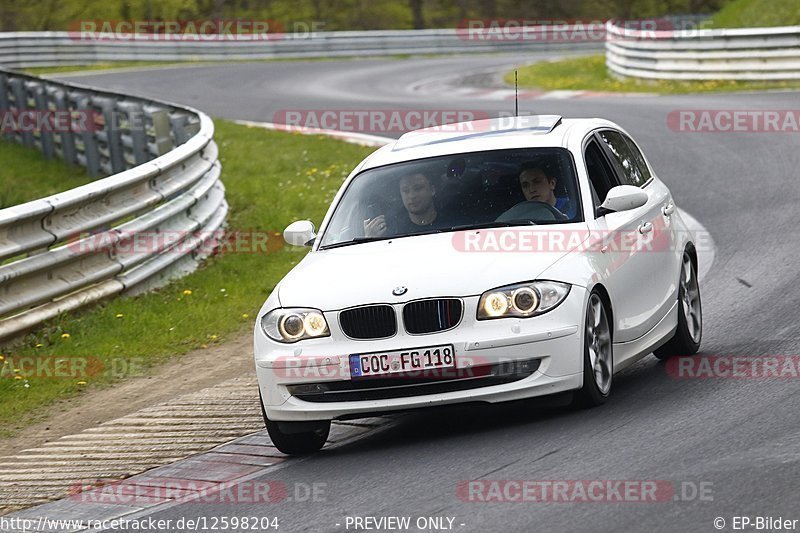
532,357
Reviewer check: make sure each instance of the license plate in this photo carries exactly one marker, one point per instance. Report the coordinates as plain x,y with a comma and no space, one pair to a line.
401,361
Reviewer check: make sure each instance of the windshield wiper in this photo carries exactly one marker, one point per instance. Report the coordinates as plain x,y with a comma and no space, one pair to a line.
359,240
356,240
494,224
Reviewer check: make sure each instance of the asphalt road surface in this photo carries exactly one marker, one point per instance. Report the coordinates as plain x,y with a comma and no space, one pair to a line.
738,440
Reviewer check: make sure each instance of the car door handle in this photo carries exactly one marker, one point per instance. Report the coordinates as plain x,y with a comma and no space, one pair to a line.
668,209
645,227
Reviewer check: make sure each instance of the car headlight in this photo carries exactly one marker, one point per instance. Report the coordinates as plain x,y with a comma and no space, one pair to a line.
292,325
522,300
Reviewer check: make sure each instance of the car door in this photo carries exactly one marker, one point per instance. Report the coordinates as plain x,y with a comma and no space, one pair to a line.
635,275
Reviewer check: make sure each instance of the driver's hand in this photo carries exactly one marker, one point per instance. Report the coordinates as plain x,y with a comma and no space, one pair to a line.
375,227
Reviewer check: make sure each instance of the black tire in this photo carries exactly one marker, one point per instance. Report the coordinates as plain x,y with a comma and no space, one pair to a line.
683,342
297,438
592,393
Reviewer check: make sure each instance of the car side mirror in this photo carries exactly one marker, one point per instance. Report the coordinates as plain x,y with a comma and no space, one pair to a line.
300,233
622,198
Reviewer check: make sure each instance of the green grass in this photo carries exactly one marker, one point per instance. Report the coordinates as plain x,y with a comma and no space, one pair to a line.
26,175
38,71
758,14
272,178
590,73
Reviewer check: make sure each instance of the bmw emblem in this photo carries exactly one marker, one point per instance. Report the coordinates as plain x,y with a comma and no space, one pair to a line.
399,291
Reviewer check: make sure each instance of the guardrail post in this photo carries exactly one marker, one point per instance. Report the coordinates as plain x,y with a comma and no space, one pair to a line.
91,151
66,145
111,134
45,133
136,128
161,131
5,107
21,104
179,123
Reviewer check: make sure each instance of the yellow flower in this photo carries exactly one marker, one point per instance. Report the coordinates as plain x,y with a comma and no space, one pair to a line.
244,315
212,337
119,315
39,344
2,358
65,335
17,377
187,292
81,383
204,346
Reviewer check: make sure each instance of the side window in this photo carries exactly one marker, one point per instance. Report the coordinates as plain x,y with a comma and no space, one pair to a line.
601,177
638,158
630,162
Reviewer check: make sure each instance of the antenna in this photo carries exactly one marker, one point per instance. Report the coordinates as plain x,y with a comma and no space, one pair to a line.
516,95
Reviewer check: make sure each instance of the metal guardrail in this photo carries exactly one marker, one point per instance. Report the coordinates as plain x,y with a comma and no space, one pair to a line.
703,54
80,246
31,49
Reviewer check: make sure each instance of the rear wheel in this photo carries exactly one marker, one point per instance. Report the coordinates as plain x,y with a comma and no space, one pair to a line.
686,340
297,438
598,358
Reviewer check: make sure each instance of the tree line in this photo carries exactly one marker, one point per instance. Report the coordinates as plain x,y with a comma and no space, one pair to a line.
41,15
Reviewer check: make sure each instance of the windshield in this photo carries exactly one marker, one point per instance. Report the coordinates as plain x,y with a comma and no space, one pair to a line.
453,192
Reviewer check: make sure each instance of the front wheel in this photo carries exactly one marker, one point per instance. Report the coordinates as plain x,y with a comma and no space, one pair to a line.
297,438
686,340
598,355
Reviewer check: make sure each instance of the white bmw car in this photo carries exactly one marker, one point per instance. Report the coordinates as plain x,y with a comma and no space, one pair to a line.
485,261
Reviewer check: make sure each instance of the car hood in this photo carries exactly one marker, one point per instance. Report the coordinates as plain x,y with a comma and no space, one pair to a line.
426,265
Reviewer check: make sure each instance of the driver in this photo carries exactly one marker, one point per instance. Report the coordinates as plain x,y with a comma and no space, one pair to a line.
539,184
417,193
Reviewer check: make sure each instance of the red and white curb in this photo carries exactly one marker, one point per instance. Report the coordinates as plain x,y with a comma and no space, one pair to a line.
458,87
472,93
224,475
219,429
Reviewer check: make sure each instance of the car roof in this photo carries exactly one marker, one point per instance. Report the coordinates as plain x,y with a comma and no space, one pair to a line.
530,131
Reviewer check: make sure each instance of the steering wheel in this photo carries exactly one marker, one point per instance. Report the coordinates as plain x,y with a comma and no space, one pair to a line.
532,210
